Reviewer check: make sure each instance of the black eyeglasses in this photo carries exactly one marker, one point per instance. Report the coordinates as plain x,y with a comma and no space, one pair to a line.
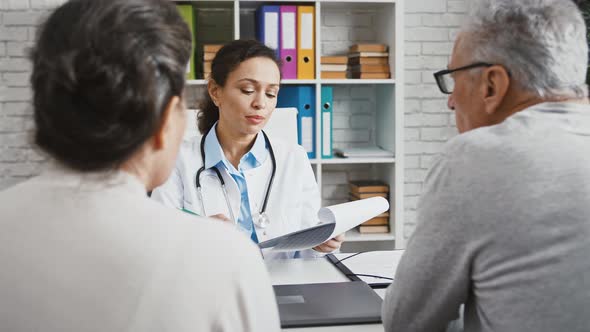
445,81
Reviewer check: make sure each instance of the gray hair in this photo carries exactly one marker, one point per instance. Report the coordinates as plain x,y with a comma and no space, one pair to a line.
542,43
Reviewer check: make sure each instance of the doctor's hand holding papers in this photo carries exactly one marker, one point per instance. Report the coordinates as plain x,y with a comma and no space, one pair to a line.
334,220
234,171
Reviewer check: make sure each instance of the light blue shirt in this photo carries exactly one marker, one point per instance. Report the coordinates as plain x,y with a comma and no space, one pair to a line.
214,157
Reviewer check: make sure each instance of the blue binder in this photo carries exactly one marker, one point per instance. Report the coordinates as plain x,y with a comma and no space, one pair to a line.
302,98
267,26
326,121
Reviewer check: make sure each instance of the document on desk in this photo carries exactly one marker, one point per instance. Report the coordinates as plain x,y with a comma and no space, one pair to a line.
334,220
372,263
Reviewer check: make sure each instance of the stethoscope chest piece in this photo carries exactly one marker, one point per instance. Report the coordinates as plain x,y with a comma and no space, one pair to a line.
261,220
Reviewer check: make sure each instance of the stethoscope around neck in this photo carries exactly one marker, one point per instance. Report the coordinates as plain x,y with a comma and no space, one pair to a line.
261,219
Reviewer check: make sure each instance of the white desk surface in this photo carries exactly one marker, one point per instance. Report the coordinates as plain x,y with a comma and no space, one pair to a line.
320,270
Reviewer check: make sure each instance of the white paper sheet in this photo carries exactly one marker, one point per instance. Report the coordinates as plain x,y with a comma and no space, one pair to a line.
334,220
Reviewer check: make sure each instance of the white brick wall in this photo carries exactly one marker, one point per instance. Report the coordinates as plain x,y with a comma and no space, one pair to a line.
431,26
18,160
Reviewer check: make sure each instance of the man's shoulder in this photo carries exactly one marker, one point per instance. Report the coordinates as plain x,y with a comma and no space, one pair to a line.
481,140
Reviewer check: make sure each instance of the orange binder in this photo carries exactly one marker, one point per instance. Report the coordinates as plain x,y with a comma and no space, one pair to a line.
305,42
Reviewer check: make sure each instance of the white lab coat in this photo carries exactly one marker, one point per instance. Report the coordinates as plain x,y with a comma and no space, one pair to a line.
292,205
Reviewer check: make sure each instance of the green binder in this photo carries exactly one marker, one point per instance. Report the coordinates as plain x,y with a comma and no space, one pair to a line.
187,13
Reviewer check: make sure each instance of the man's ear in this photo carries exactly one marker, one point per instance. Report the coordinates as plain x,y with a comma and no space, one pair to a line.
496,83
160,138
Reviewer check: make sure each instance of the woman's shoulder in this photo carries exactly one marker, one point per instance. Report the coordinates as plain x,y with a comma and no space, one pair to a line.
194,229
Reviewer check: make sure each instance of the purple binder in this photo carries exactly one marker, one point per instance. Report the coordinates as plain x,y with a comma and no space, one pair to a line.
288,41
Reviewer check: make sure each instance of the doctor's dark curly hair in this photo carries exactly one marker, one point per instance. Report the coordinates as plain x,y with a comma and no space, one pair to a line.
227,59
103,72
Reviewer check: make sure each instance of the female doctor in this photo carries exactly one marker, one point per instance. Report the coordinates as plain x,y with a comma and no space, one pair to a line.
234,172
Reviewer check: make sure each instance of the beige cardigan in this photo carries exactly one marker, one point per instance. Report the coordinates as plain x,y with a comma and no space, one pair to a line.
90,252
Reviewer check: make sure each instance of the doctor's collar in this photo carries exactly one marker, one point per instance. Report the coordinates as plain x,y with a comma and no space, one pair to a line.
214,153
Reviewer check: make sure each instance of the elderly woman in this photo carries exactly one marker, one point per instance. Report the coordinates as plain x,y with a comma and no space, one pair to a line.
82,248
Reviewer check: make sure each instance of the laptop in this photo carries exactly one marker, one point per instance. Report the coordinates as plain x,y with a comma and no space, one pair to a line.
340,303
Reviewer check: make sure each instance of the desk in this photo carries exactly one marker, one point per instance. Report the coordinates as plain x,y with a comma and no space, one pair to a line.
314,270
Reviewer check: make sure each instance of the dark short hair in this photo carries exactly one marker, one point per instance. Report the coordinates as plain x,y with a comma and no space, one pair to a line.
103,72
227,59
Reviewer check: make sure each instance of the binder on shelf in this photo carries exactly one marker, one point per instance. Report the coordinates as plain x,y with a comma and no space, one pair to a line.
188,15
267,26
305,42
327,102
302,98
288,41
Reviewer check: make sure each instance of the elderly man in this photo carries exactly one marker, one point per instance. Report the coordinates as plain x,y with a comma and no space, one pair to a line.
504,220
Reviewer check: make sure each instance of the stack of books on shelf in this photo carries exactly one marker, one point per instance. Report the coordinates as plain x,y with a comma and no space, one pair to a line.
209,51
333,67
371,188
369,61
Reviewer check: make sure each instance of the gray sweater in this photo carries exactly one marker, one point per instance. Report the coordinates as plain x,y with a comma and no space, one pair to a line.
504,227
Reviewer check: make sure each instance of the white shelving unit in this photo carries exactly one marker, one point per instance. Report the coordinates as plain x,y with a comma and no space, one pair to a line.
388,23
